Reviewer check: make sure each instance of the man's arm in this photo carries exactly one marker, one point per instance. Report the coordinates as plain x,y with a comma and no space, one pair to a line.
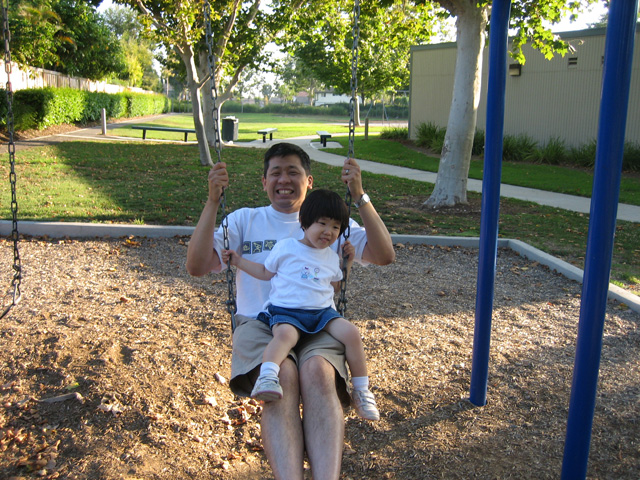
379,248
201,255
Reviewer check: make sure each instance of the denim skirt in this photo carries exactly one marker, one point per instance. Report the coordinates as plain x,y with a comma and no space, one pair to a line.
307,321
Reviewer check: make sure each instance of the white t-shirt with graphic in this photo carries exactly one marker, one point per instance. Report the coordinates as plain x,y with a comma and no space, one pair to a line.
254,232
303,275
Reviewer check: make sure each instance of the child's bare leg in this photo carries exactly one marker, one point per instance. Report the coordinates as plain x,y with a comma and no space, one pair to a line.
348,334
267,387
285,337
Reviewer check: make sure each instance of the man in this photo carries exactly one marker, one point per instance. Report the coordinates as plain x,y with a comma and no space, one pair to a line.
310,371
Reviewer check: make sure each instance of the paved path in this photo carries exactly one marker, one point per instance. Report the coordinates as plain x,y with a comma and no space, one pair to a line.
311,145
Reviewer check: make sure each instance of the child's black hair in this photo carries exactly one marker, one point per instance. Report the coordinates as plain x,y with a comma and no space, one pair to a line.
324,203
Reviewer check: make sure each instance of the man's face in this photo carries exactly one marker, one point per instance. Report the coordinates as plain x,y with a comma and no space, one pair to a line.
286,183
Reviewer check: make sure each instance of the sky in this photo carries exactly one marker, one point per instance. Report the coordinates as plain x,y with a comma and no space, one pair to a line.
584,19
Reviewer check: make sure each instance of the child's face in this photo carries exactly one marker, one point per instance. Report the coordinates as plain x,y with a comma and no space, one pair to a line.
322,233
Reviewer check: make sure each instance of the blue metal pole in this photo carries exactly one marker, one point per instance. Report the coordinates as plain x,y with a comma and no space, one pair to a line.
498,41
614,103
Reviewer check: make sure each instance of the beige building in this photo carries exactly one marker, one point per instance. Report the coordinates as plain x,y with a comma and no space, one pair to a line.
544,99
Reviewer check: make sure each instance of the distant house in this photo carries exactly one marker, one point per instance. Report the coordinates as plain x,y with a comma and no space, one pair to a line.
302,98
543,99
329,97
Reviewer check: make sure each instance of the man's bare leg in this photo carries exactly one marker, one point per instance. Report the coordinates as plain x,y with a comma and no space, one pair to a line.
323,418
282,427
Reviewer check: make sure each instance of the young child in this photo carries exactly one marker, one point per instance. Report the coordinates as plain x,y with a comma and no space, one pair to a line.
304,275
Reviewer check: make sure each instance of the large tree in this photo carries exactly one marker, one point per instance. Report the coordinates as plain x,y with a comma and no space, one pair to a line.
241,30
528,18
322,40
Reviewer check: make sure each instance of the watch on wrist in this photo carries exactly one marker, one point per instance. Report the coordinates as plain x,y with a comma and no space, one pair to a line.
364,199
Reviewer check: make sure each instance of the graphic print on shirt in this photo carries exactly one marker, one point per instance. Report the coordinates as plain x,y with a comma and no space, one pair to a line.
310,273
253,247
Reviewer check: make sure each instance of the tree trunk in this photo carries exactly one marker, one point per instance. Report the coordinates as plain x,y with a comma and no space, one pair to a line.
356,117
207,99
196,100
451,183
198,123
207,108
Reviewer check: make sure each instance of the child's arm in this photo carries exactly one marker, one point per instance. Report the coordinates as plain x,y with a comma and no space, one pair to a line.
254,269
348,251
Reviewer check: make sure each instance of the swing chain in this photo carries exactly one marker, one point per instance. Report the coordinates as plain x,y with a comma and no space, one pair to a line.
212,79
354,76
341,304
232,307
17,277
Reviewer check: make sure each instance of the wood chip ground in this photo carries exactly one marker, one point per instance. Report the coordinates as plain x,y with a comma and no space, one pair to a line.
115,366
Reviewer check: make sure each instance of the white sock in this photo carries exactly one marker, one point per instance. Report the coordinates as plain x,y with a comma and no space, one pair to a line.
269,369
360,383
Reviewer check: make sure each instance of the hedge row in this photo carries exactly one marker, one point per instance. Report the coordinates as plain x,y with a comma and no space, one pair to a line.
38,108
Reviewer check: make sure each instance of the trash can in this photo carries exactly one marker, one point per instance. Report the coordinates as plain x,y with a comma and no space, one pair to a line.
229,129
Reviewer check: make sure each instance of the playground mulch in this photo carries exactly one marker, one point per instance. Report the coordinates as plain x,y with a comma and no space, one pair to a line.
115,366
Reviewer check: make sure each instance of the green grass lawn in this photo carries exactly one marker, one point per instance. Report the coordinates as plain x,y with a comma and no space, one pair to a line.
551,178
160,183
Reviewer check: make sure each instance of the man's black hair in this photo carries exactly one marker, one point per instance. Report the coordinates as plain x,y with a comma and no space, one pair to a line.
324,203
284,149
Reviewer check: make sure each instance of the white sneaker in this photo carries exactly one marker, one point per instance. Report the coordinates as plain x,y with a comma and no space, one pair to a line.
267,389
365,404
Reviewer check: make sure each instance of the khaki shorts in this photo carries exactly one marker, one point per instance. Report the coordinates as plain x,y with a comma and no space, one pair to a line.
250,338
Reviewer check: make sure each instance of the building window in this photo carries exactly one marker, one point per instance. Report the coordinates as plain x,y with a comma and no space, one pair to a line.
572,62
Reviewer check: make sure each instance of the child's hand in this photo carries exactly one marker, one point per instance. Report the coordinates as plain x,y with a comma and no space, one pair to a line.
229,256
348,252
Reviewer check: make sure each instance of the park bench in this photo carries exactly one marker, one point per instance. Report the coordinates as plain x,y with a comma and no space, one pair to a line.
266,131
144,129
323,137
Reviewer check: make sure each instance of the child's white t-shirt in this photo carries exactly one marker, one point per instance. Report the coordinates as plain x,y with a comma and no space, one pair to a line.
303,275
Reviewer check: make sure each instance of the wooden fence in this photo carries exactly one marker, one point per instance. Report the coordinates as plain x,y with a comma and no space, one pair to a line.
33,77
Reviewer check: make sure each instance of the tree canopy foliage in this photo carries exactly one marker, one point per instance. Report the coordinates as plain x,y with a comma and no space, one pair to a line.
321,38
67,36
138,48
